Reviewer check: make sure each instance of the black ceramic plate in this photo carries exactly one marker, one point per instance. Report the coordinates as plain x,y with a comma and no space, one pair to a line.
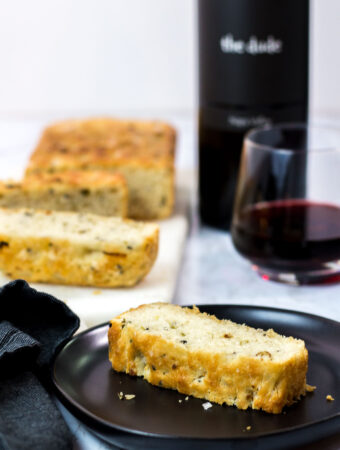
156,419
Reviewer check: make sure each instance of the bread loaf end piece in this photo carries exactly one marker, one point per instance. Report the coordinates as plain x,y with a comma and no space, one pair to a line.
76,249
143,151
217,360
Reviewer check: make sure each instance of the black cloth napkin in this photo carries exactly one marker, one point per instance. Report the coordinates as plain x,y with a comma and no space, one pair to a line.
33,325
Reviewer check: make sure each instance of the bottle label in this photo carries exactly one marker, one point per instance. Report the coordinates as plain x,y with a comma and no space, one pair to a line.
252,46
244,122
253,52
241,120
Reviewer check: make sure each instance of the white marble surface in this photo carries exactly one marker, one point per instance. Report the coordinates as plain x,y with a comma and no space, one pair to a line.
213,272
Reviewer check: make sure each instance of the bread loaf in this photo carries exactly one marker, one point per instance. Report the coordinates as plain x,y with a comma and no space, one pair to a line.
97,192
142,151
217,360
74,248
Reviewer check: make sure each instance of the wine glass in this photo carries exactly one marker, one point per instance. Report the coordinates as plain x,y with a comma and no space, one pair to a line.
286,218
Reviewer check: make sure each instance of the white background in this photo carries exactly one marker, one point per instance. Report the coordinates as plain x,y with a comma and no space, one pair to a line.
107,56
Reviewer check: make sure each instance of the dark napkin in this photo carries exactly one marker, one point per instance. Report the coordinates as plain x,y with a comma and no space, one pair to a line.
33,325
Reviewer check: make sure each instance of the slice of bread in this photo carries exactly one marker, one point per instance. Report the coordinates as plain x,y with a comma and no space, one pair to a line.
75,248
142,151
218,360
97,192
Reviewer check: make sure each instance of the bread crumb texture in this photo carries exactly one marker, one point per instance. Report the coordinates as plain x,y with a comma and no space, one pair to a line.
123,396
74,248
217,360
310,388
206,405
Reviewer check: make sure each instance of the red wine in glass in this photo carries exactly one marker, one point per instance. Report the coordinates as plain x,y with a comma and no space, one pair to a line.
286,218
289,235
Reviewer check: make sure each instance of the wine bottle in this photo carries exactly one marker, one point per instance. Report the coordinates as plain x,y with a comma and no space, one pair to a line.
253,71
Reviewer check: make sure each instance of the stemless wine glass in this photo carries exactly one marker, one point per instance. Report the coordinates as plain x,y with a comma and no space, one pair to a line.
286,218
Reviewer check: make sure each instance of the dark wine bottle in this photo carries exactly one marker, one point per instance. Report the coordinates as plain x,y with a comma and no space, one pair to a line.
253,71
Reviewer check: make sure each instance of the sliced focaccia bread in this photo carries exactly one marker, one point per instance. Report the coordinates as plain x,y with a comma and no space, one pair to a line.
75,248
199,355
97,192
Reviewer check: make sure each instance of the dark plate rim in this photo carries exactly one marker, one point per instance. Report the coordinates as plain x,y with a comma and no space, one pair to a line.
70,402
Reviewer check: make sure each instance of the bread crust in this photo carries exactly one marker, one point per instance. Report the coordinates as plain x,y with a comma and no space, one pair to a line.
104,142
258,383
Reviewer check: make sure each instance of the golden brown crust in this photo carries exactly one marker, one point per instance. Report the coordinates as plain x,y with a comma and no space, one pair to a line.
259,383
37,261
104,143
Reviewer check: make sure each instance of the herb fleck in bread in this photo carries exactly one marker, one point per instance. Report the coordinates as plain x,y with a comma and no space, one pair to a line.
97,192
218,360
74,248
142,151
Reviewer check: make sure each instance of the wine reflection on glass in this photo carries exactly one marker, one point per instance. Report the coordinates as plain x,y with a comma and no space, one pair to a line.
286,218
